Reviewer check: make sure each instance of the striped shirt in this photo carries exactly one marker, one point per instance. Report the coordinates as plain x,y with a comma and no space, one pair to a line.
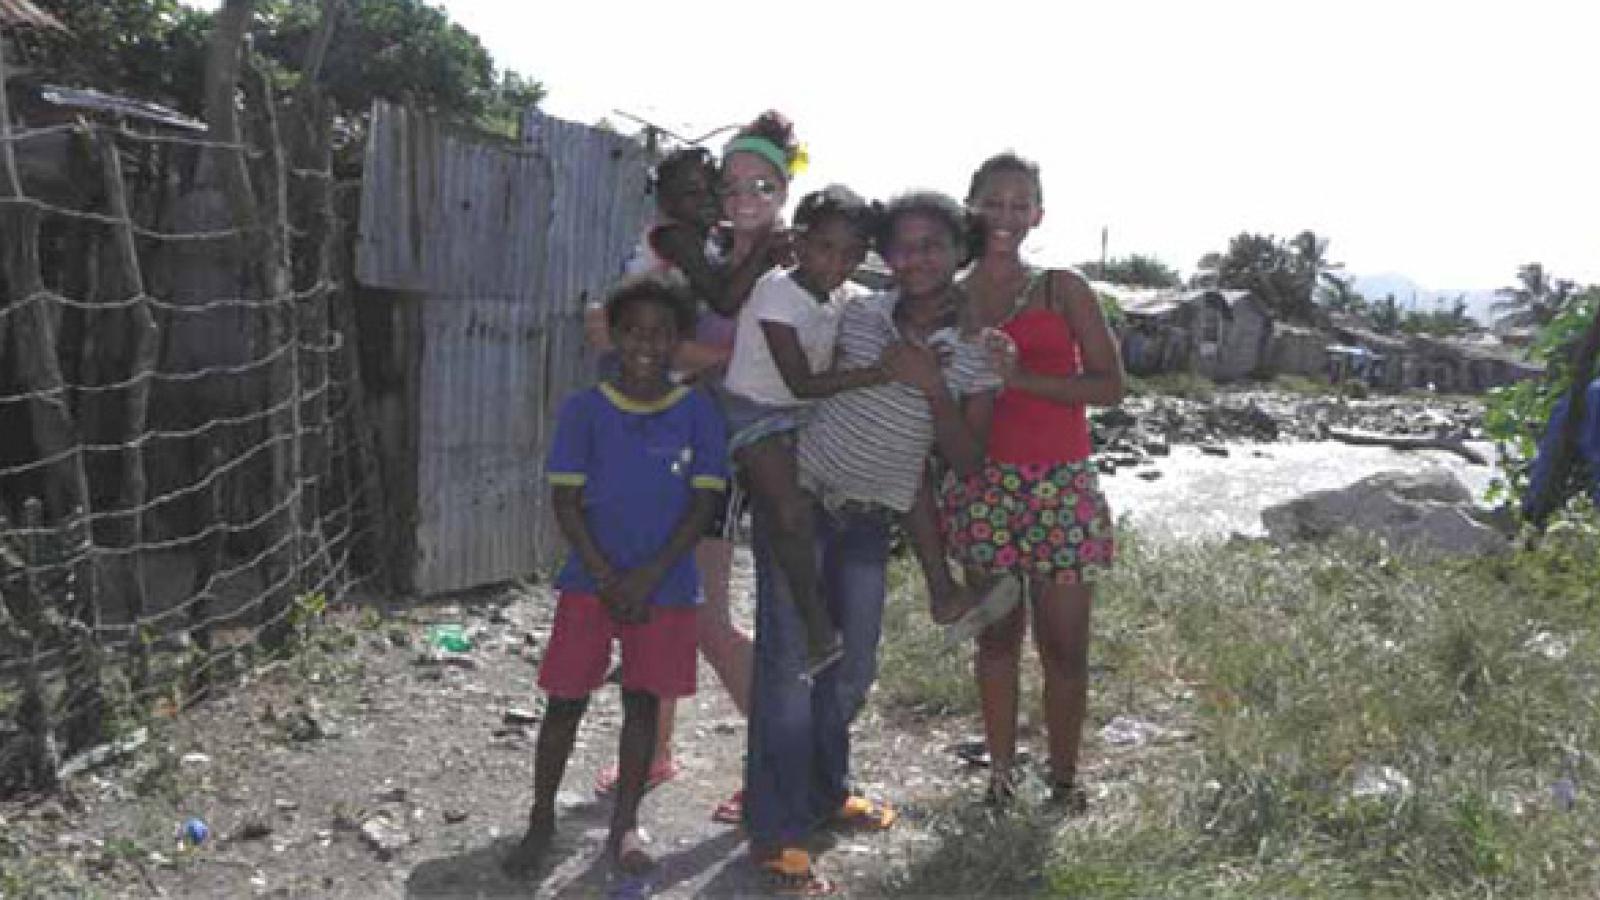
869,445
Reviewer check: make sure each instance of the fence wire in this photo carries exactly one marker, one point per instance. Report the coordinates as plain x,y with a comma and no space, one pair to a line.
173,498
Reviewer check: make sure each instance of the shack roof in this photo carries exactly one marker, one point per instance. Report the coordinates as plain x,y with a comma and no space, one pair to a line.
23,12
1154,302
127,107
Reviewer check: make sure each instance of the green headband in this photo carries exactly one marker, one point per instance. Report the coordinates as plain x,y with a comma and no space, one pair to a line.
761,147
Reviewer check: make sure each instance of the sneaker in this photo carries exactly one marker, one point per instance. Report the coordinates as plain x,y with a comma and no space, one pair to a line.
996,604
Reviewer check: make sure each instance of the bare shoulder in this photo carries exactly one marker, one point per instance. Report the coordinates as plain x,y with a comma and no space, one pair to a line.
1069,289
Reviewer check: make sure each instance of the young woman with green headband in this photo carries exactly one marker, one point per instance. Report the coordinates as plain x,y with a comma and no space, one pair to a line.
754,180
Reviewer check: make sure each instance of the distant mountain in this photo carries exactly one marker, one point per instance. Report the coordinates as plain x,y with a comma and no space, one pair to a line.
1411,295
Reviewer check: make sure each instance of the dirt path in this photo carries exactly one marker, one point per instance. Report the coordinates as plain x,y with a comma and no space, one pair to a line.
303,771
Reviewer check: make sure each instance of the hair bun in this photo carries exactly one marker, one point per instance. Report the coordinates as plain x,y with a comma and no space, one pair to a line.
775,127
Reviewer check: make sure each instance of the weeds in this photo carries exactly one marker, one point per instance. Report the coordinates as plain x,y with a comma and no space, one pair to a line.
1370,724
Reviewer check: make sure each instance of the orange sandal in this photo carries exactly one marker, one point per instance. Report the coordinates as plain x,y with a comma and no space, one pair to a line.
790,874
860,814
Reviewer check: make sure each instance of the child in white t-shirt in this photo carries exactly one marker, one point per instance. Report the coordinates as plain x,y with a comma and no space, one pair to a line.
782,360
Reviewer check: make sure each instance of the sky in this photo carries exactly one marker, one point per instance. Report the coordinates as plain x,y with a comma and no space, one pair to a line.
1448,141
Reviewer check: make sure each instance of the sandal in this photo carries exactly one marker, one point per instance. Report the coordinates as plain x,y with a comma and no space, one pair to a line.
730,811
790,874
1002,790
860,814
1069,796
605,781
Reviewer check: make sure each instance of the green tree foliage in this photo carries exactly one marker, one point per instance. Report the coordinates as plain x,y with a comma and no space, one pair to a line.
1385,315
1440,323
1516,414
401,50
1135,270
152,49
1338,294
1283,274
1536,299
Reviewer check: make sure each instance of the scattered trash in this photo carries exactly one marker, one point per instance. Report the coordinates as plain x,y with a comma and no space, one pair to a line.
285,805
192,833
1565,793
518,716
1126,731
104,753
392,795
455,816
1380,782
449,637
1549,646
195,759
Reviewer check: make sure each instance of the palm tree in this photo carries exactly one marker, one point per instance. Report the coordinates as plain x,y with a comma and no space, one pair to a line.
1535,300
1338,293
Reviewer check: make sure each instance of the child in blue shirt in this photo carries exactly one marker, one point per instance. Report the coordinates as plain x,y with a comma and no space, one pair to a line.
636,470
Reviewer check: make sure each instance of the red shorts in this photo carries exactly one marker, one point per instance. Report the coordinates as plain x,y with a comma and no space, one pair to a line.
658,657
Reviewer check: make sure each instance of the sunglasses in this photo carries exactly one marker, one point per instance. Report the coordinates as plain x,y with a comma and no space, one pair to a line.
764,188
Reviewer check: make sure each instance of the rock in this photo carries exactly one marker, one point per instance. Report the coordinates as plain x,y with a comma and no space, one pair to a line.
1429,510
1150,474
301,726
284,805
1213,450
384,835
252,831
1157,448
455,816
392,795
518,716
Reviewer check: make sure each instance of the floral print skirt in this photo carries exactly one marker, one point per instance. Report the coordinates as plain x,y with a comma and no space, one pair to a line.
1043,520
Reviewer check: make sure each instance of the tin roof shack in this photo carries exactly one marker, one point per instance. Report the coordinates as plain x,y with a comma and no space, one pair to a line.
1298,350
1222,335
1469,365
1382,364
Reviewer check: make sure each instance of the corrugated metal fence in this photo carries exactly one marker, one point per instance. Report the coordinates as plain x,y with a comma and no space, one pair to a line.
503,241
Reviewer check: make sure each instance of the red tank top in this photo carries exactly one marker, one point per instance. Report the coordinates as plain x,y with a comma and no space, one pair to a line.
1028,428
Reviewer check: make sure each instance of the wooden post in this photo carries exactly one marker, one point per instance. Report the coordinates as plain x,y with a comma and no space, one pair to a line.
146,344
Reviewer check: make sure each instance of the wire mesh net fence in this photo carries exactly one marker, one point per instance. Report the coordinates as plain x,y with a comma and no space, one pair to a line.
184,472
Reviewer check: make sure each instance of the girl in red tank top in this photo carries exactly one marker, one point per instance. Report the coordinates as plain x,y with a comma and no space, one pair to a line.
1033,519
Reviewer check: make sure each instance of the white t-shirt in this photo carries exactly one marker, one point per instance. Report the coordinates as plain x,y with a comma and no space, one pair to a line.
777,297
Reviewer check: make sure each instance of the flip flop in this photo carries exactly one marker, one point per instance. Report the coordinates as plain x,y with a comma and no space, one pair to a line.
790,874
605,781
997,602
730,811
860,814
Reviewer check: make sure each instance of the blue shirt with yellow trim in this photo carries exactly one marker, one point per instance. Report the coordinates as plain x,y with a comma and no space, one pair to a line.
639,464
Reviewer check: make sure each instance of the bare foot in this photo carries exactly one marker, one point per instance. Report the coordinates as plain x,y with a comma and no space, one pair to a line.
628,852
528,855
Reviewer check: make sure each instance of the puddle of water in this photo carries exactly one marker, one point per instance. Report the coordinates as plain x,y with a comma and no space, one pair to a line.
1200,497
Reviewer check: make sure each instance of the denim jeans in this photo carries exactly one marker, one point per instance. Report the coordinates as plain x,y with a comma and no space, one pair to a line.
798,763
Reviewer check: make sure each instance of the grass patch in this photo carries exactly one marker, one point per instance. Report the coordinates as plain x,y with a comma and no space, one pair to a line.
1185,385
1369,724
